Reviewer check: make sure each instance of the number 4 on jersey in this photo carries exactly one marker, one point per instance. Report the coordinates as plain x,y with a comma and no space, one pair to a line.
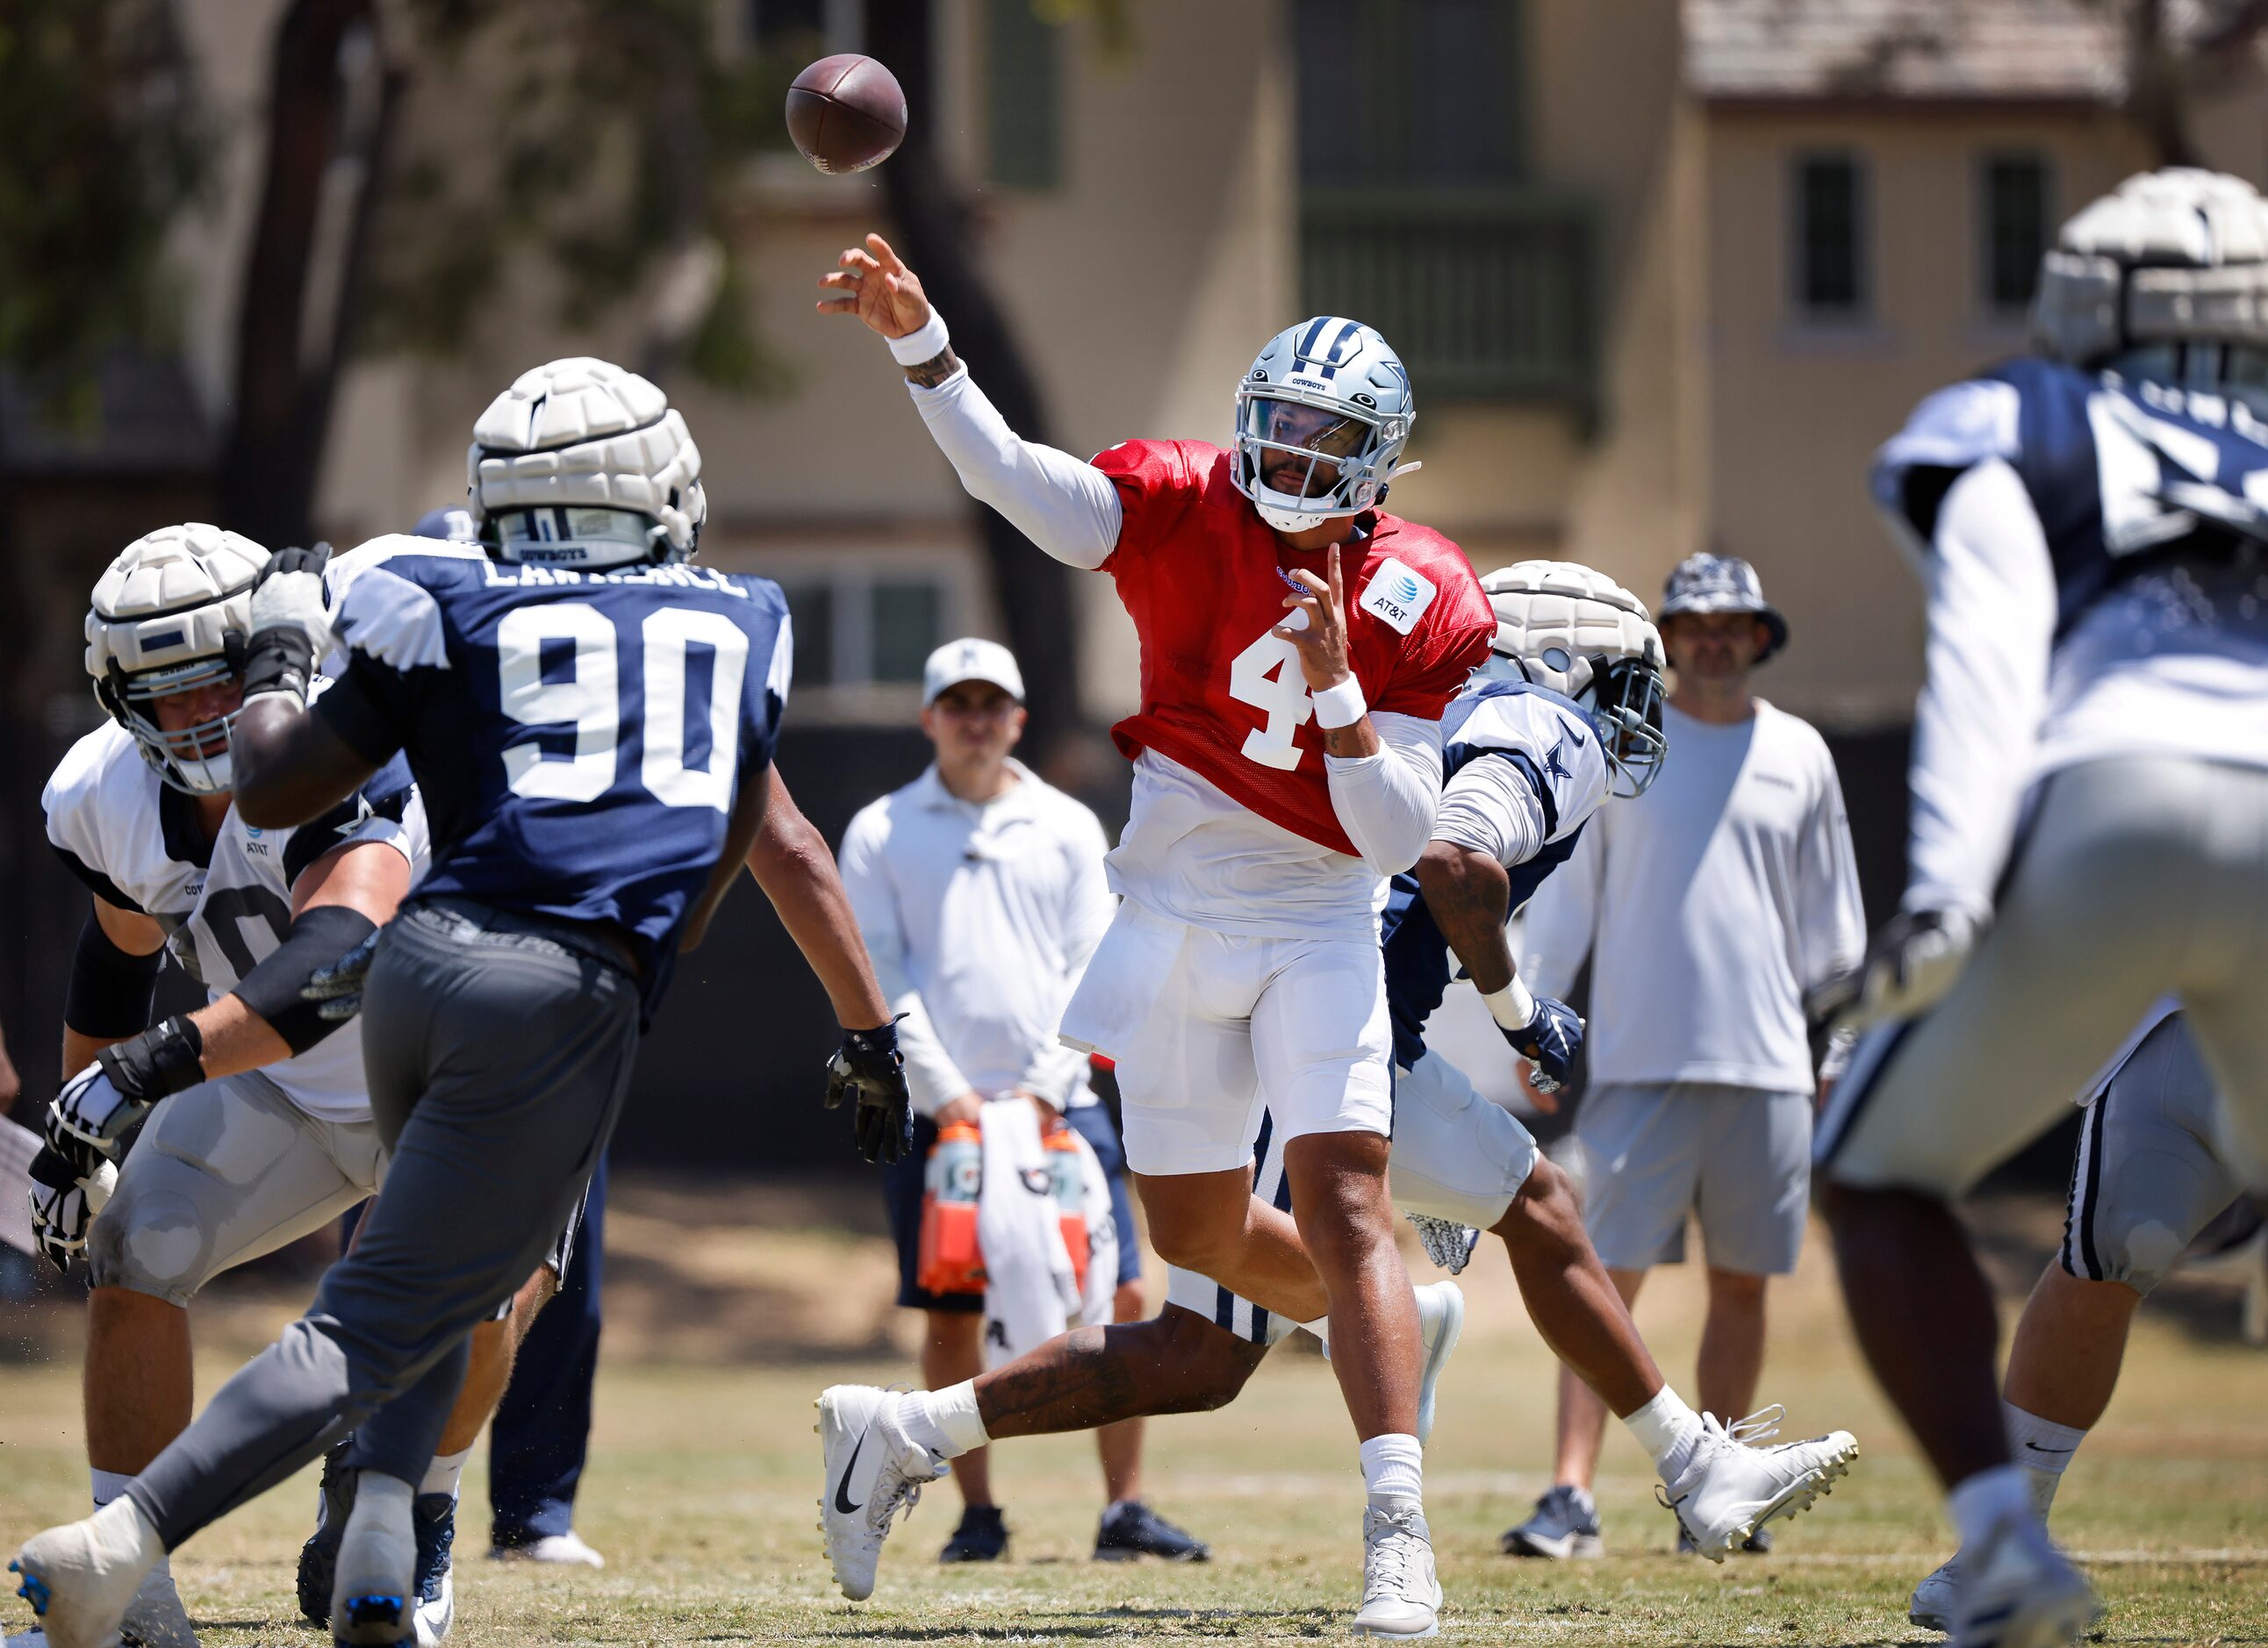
1267,676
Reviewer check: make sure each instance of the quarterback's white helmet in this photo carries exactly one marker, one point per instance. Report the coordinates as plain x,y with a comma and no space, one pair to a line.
1324,413
584,464
2169,271
1562,625
171,614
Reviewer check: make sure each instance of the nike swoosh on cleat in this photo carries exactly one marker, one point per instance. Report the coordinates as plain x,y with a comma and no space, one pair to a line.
2037,1448
843,1487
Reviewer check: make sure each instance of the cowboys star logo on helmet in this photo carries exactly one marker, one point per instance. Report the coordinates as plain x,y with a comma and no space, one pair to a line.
1321,418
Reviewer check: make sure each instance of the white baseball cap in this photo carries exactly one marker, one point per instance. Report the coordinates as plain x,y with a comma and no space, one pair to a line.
971,660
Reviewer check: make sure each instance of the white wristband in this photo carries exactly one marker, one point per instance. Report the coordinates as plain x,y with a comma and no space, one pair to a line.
925,345
1339,706
1513,1006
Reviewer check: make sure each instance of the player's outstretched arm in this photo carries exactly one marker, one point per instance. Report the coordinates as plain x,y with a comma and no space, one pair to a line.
741,829
790,861
1069,509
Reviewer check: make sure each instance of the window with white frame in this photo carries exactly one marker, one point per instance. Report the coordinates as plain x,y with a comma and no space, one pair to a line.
863,625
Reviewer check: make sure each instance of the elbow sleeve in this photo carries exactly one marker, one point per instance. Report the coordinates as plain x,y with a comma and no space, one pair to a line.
274,988
111,989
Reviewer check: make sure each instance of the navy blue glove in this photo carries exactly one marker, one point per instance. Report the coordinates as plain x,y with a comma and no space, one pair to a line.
1549,1040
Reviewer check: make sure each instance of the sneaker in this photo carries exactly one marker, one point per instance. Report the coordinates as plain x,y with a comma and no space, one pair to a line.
871,1469
318,1557
981,1536
1758,1544
2017,1590
1563,1524
81,1577
1447,1243
1132,1529
1440,1320
1401,1597
434,1521
1731,1485
566,1550
1931,1606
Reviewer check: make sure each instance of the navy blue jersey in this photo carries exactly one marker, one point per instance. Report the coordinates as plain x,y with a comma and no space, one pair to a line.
579,738
1553,745
2118,472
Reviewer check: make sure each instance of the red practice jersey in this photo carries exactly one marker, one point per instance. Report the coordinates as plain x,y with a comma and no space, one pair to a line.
1199,571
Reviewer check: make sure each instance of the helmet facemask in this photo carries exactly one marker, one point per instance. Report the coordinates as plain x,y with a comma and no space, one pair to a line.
194,759
1337,454
1625,698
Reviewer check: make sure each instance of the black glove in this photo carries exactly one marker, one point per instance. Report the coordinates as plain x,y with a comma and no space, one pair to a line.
61,1212
1549,1042
869,1068
88,1119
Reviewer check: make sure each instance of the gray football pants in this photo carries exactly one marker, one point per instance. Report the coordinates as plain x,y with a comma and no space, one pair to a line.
498,1049
2137,876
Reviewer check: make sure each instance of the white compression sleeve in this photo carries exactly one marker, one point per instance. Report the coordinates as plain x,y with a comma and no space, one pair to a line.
1385,802
1490,806
1991,623
1068,508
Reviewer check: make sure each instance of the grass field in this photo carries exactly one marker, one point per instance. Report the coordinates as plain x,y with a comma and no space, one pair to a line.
705,1475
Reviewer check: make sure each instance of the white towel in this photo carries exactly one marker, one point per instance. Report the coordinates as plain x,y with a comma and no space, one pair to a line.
1030,1288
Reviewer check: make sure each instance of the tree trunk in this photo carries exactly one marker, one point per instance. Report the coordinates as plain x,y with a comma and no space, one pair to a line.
285,381
933,220
2155,86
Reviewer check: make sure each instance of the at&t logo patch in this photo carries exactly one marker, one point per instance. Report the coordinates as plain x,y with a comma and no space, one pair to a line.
1397,595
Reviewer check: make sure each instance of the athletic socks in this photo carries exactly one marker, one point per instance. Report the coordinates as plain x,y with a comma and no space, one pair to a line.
1979,1503
944,1422
442,1475
1394,1469
2043,1448
1668,1430
109,1485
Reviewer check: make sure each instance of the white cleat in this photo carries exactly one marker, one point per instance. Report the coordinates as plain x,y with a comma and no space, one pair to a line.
567,1550
374,1599
2016,1590
1732,1487
435,1613
81,1577
1440,1320
1931,1606
1401,1595
871,1469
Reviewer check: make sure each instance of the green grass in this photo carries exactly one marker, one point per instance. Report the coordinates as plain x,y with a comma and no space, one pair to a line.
704,1477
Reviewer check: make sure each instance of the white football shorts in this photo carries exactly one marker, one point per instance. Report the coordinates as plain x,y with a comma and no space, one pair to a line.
1208,1028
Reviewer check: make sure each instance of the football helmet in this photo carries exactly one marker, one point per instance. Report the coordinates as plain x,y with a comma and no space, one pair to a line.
2165,278
1564,626
584,464
171,614
1321,422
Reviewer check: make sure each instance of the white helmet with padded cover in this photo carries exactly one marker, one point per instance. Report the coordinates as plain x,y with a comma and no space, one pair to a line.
584,464
171,614
1565,626
2170,264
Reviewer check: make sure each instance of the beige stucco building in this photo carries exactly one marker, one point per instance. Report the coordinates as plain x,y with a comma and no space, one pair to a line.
1665,273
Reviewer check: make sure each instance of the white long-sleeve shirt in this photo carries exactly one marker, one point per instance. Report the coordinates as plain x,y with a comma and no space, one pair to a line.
1710,906
980,918
1245,874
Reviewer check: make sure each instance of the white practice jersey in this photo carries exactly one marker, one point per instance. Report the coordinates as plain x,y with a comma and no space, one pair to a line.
1710,906
2075,534
226,906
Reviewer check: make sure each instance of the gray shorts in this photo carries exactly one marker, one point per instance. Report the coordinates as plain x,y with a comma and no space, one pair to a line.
225,1172
2147,1176
1736,1159
2134,878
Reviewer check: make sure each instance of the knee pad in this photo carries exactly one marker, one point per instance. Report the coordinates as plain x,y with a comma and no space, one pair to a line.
151,1244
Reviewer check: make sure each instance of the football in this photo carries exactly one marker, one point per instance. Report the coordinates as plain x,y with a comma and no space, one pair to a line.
846,112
